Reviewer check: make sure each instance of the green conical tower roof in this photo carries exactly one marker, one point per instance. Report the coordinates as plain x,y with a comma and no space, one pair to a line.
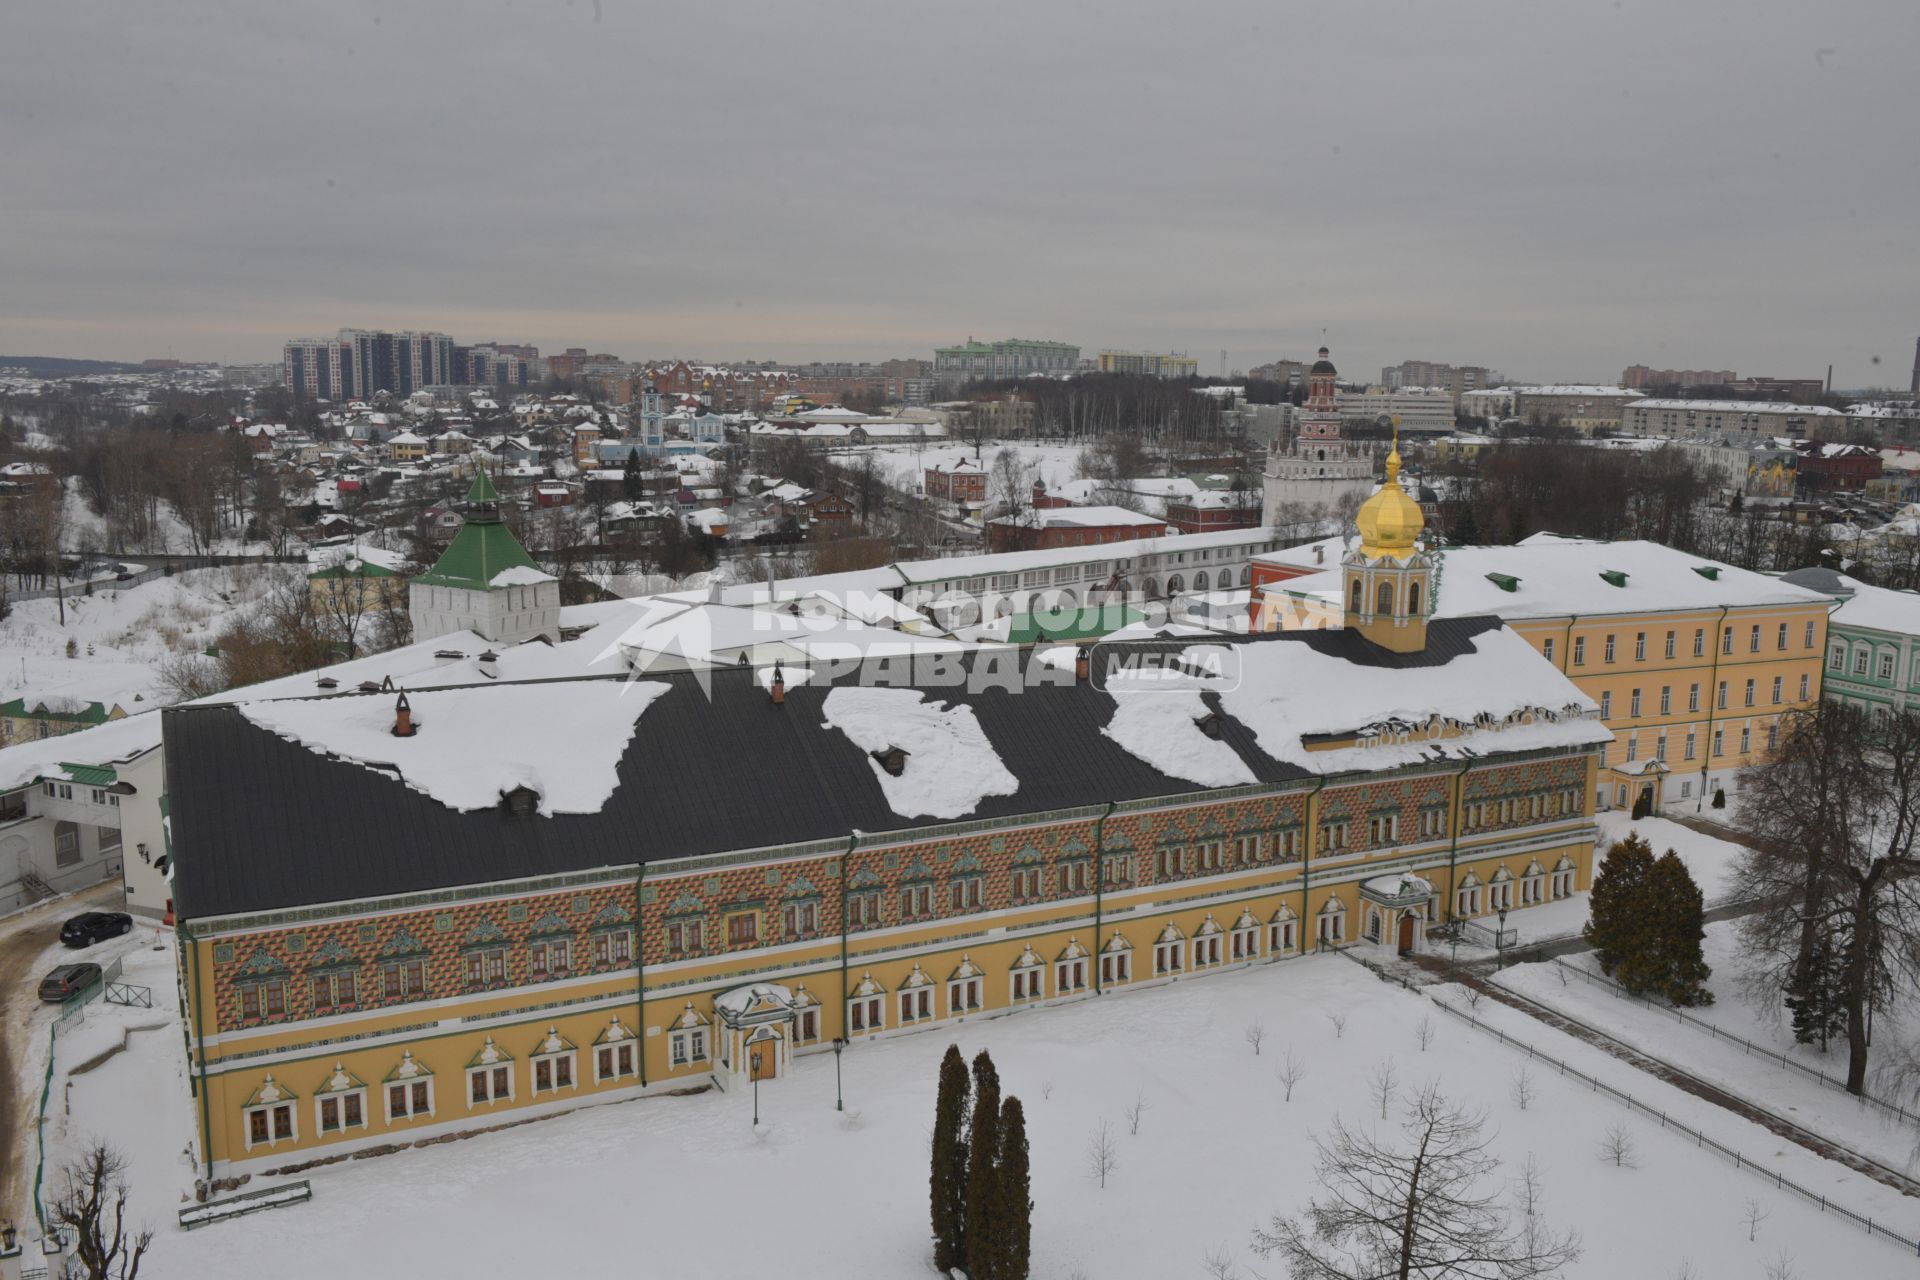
483,549
482,490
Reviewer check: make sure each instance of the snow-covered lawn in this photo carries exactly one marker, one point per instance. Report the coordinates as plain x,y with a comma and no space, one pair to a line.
685,1186
1788,1093
122,634
904,465
1710,859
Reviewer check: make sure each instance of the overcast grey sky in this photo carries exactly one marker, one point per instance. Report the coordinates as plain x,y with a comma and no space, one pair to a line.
1557,189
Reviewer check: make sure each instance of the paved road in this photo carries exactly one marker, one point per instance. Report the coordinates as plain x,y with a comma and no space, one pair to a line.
23,937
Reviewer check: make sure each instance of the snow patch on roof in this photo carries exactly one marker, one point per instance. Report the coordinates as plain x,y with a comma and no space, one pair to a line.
1162,728
564,741
950,765
520,575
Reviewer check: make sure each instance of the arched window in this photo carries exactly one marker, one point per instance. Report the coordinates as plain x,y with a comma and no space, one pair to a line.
1353,597
1246,580
1176,584
1153,588
1413,599
1383,601
1200,580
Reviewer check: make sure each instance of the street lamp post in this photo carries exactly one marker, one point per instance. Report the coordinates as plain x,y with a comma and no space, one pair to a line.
755,1060
839,1099
1500,942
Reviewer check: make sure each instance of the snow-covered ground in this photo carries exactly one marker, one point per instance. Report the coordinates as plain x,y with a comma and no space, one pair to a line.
684,1186
83,530
1789,1094
1710,859
122,634
905,465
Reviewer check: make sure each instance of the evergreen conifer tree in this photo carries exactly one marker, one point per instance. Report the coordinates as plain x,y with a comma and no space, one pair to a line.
1815,995
949,1178
631,486
1678,912
1616,923
1013,1206
983,1160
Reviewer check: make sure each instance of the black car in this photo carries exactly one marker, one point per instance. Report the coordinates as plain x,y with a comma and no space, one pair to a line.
67,980
95,926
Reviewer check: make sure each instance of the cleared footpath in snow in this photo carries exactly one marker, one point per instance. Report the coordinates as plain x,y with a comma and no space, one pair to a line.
686,1185
1792,1095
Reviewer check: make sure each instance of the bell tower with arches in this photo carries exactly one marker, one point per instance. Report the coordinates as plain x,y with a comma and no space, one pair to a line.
1388,578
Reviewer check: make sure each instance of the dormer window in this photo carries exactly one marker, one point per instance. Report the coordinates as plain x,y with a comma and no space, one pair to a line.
892,759
521,802
1213,724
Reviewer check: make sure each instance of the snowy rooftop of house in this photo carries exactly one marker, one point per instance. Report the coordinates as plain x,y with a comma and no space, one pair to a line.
262,791
1578,389
1739,406
1554,577
1878,609
1080,517
115,742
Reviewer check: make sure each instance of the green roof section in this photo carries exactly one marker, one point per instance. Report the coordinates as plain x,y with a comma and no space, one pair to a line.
480,552
92,713
482,490
91,775
1088,623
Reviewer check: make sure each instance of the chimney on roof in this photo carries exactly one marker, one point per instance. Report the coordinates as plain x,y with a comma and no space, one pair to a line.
1082,663
403,726
778,688
1319,553
489,663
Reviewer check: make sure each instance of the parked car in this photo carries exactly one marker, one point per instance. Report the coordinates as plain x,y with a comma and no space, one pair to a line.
90,927
67,980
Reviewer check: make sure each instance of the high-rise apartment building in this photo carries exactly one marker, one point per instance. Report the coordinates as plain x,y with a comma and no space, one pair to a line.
356,363
1149,363
1455,380
1639,377
1009,358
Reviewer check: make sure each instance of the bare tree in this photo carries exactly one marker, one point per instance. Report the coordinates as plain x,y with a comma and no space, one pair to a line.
1381,1085
1255,1033
1618,1147
1426,1206
92,1204
1292,1071
1134,1113
1103,1154
1781,1268
1219,1264
1752,1214
1522,1091
1423,1031
1339,1021
1834,824
1686,1271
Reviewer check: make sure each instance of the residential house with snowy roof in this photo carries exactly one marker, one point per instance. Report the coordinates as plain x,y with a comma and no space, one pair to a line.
420,912
82,808
485,582
50,715
1693,662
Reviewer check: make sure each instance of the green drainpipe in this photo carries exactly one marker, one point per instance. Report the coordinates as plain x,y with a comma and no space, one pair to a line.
183,937
1099,889
853,842
640,969
1312,818
1456,820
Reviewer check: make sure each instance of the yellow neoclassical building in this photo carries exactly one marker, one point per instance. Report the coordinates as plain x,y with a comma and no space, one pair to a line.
1692,662
518,898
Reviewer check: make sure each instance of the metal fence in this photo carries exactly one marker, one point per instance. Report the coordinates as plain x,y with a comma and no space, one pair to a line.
1752,1049
1740,1161
40,1131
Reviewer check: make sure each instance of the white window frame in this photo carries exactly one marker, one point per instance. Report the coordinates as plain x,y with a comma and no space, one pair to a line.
340,1108
552,1061
271,1140
688,1047
959,990
1169,958
486,1073
412,1112
1069,976
1245,943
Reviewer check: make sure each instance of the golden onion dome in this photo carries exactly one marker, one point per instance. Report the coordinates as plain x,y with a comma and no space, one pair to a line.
1390,521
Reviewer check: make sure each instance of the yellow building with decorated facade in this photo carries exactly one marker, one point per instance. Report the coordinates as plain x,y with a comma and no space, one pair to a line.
1692,662
403,916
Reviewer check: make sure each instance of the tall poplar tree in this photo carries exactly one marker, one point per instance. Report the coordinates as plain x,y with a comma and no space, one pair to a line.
949,1178
1013,1203
983,1158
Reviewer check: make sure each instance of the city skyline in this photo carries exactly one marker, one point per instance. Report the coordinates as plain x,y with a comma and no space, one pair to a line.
1557,194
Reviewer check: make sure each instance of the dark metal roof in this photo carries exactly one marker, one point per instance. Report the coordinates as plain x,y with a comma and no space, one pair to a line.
260,823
